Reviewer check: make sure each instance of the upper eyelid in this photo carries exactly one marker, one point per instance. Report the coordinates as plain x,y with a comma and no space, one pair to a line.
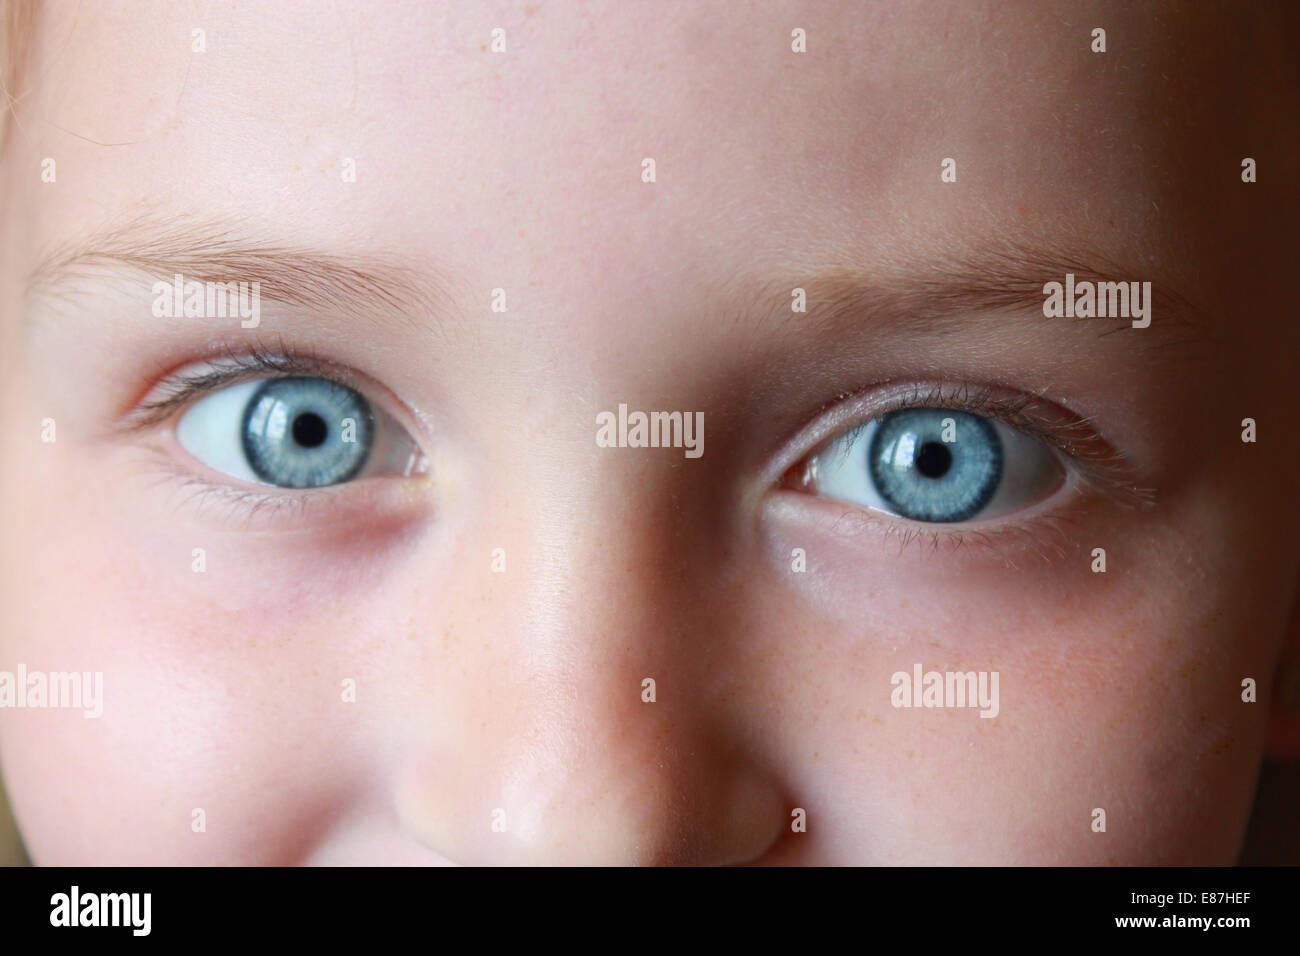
1011,413
225,370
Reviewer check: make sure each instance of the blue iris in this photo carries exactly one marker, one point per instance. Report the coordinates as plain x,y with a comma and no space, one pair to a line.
924,477
307,432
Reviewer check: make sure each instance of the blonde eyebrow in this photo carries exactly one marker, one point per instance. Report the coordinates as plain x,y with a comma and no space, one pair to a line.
989,281
211,252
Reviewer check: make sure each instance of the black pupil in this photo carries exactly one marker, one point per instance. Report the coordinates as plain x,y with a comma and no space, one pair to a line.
309,430
935,460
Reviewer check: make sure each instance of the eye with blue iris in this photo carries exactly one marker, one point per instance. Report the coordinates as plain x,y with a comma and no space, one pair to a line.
936,465
295,432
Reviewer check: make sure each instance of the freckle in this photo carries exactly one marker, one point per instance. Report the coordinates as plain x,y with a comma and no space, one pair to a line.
877,720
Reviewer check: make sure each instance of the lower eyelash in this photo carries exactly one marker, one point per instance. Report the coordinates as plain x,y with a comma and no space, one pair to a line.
234,504
1042,538
354,507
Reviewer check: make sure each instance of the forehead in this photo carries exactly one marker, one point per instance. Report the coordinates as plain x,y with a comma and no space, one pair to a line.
438,124
760,152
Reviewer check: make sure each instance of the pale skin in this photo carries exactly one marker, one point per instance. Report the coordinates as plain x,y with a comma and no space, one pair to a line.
521,689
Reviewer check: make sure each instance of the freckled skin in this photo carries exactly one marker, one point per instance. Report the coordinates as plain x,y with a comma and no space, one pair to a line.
521,690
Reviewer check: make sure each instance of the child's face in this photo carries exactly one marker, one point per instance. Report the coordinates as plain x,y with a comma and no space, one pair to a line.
512,680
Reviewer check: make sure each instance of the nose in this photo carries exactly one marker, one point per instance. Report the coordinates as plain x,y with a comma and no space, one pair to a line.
597,722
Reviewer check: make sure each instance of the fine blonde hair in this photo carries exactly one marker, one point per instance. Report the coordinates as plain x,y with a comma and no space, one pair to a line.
16,20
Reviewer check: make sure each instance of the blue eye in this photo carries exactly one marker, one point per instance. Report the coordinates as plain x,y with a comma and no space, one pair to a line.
936,465
295,433
927,478
306,432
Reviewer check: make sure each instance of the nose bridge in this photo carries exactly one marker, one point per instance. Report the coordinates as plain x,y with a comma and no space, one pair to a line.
592,622
600,543
593,739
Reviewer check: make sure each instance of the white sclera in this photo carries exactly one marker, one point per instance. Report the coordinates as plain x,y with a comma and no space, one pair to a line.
210,430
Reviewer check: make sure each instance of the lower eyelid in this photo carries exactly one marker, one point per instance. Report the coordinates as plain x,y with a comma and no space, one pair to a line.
224,505
1044,533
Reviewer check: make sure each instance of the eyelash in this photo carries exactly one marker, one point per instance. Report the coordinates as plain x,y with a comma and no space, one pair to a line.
230,368
240,503
1098,465
240,506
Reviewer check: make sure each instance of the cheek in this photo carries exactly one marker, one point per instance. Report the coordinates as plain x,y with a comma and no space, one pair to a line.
215,697
1118,692
229,677
206,719
1123,731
